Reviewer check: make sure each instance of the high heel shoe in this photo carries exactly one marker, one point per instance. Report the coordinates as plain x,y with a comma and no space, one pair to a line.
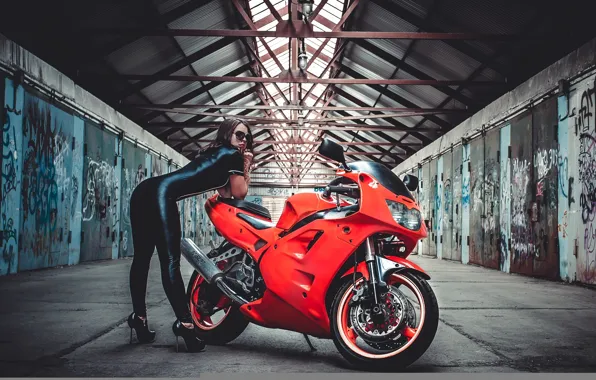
144,335
191,341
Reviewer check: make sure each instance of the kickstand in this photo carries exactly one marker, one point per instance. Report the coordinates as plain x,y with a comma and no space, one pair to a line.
312,348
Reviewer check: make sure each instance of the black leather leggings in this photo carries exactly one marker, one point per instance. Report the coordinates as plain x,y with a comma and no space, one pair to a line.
155,223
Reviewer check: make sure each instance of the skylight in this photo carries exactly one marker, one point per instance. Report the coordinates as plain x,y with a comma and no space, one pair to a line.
274,53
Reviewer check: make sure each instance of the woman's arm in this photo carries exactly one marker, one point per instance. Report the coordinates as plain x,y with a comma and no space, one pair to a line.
238,183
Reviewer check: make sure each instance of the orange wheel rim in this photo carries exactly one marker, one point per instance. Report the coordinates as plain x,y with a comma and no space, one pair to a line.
349,336
205,322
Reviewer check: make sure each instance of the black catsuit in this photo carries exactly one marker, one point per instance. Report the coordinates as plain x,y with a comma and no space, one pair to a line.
155,222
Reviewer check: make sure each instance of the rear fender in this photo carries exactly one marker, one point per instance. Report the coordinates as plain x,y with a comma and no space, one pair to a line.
389,265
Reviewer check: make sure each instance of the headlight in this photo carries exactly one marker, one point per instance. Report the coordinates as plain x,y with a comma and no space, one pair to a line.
409,219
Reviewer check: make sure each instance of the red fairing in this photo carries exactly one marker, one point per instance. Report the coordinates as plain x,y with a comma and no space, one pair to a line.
301,205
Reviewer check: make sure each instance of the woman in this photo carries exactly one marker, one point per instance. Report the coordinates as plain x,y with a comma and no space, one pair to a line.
155,222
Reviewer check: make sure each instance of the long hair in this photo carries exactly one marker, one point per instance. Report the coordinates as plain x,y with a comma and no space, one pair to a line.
225,132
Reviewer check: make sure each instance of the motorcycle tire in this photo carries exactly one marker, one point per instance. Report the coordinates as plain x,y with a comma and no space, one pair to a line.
383,362
230,328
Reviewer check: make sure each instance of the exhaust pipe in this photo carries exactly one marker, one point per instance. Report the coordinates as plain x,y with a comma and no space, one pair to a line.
207,268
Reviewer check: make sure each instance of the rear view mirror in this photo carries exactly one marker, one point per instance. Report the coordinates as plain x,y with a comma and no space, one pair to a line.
411,182
333,151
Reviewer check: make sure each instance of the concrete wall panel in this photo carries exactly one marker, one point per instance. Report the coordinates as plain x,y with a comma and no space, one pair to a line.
567,237
465,201
582,158
76,215
134,171
158,165
457,158
45,184
424,194
522,237
439,208
12,164
505,201
491,201
101,194
545,188
447,207
477,180
432,206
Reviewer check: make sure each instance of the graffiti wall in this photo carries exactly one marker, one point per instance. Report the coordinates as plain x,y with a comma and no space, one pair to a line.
432,200
446,208
505,199
465,205
522,237
545,166
12,148
456,207
491,200
579,223
101,194
134,171
66,185
477,180
521,197
47,184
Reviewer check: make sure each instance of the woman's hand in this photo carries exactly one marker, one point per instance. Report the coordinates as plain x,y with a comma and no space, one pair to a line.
225,191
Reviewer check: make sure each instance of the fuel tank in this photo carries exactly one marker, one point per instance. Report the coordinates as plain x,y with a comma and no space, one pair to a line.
301,205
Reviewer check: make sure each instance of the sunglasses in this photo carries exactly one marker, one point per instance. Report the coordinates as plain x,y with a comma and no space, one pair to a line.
241,135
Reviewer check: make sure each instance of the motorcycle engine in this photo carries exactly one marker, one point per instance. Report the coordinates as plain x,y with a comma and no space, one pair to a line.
240,273
244,275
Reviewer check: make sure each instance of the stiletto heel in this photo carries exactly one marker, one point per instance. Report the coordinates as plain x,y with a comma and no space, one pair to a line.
144,335
191,341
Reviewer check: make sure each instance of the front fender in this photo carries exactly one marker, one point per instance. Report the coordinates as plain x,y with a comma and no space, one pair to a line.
403,265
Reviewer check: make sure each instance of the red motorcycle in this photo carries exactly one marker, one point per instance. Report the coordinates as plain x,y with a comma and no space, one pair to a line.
334,266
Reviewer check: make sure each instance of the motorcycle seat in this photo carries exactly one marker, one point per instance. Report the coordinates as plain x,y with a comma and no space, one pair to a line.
247,206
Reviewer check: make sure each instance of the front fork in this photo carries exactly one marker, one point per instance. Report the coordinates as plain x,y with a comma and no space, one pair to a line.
378,269
374,264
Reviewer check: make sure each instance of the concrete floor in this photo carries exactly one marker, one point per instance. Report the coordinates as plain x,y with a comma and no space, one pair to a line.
71,322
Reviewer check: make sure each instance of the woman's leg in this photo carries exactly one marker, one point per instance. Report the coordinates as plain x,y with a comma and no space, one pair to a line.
168,249
143,223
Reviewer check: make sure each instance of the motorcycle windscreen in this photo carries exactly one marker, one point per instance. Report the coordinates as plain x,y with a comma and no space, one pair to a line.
382,174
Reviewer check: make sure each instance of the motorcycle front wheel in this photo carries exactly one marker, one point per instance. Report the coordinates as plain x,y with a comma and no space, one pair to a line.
403,336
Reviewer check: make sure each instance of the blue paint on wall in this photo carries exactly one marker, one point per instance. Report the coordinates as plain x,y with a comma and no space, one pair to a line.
254,199
76,216
45,184
12,146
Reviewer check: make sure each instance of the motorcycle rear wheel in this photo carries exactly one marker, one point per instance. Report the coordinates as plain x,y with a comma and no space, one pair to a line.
217,333
397,357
